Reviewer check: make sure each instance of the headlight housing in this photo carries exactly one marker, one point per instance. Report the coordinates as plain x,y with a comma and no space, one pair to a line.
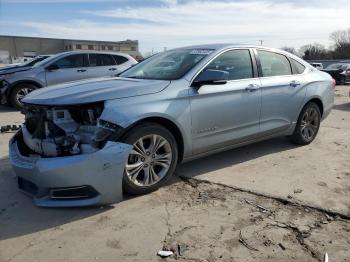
106,129
3,84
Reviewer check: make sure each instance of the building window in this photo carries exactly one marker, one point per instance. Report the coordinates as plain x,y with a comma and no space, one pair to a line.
117,48
133,48
90,47
103,47
78,46
110,47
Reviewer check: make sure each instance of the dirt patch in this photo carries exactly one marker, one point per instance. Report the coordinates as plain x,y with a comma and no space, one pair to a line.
218,223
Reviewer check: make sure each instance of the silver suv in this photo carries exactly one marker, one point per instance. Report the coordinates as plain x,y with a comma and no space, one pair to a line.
82,142
60,68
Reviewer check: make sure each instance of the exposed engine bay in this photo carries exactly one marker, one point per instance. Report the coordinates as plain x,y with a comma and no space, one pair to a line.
63,131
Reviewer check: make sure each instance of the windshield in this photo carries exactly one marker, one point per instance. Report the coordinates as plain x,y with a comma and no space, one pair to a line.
170,65
47,60
337,66
35,60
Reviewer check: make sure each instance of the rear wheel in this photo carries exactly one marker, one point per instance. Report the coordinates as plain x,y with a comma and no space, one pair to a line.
152,160
19,92
308,125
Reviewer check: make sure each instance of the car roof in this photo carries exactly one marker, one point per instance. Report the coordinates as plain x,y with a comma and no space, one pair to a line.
92,52
223,46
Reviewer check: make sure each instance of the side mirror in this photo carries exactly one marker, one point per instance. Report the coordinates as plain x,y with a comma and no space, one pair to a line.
211,77
52,67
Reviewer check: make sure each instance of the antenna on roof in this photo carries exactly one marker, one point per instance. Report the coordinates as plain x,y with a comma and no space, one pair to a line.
261,42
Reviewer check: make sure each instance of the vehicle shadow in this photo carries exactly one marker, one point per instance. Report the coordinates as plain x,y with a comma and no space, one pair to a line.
342,107
7,109
233,157
18,215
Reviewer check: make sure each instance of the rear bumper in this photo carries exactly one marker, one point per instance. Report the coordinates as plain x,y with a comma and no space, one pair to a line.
81,180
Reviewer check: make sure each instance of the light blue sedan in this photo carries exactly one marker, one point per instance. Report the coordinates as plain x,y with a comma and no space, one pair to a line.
85,142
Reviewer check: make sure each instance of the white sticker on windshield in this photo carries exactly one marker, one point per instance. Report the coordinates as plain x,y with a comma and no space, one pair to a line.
201,52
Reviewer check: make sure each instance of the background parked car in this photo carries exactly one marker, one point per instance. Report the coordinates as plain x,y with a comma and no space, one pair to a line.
60,68
318,66
340,72
10,69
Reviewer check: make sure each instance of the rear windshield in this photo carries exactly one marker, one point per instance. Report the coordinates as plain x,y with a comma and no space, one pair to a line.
337,66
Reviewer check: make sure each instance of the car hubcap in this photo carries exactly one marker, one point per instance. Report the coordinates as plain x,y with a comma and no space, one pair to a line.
149,160
22,93
309,124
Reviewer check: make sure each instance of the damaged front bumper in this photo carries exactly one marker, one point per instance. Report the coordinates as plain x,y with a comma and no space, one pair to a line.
79,180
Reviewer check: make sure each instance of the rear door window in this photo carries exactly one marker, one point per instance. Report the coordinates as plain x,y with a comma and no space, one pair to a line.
101,60
273,64
297,67
120,59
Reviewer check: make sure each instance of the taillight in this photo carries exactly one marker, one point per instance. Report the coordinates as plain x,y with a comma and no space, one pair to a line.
334,83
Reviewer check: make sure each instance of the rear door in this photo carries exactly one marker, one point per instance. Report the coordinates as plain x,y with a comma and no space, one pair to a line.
69,68
102,65
282,89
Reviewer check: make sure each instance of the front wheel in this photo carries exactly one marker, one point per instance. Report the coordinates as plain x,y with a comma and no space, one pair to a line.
152,160
19,92
308,125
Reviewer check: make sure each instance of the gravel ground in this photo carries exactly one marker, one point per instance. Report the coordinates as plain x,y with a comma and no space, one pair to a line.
266,202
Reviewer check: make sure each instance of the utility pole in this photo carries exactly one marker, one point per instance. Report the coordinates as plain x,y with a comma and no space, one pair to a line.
261,42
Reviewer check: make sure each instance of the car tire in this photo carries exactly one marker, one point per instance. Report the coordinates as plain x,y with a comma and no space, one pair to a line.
152,132
18,93
308,125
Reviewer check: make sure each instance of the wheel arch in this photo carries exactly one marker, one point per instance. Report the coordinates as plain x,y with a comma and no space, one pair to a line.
15,84
172,128
318,102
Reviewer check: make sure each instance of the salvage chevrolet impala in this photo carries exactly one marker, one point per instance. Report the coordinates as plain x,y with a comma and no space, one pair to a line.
83,142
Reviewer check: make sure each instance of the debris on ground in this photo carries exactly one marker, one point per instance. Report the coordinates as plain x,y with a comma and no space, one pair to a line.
165,253
181,249
244,243
298,191
263,209
281,246
9,128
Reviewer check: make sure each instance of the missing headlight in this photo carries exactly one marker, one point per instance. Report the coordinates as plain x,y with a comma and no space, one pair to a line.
106,130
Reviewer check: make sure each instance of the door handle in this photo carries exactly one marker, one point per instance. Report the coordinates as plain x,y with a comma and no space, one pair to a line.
252,87
81,70
112,69
295,83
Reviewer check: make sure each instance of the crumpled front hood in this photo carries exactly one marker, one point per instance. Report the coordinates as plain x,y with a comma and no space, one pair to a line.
94,90
13,69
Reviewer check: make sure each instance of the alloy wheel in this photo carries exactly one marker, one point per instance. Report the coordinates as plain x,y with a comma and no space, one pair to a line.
149,160
22,93
309,124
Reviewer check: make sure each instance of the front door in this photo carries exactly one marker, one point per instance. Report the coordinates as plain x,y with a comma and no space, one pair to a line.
67,69
227,114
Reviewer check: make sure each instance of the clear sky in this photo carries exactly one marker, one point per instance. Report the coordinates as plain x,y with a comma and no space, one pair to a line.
170,23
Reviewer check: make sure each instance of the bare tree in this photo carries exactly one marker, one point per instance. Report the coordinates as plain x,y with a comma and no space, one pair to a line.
314,51
341,40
